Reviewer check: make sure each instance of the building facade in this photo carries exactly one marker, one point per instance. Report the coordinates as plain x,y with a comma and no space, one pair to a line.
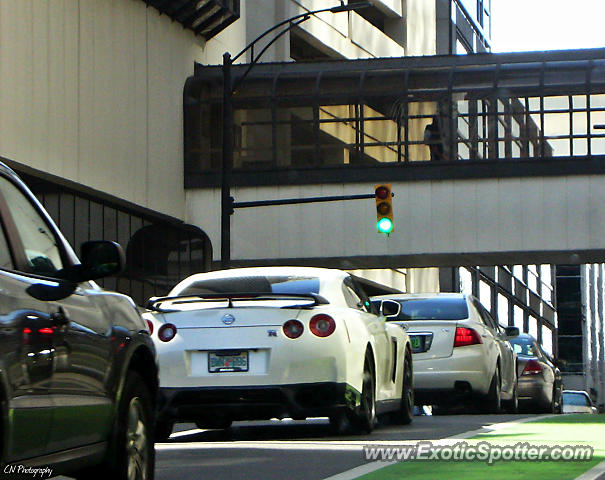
92,113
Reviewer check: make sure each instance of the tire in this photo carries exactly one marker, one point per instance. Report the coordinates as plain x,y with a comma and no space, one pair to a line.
340,423
405,414
163,429
493,403
512,405
364,420
132,448
552,406
558,402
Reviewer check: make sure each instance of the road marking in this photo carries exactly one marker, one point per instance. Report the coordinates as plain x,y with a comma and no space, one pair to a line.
377,465
497,426
360,471
594,473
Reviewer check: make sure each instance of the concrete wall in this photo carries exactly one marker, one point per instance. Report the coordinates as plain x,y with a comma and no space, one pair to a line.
431,218
92,92
420,19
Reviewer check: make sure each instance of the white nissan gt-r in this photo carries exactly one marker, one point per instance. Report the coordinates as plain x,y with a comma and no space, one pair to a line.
277,342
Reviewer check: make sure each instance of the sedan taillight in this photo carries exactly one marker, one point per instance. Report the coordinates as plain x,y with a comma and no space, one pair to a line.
466,336
150,326
293,329
167,332
532,367
322,325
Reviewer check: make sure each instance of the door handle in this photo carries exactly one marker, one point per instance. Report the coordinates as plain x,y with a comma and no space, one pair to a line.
59,317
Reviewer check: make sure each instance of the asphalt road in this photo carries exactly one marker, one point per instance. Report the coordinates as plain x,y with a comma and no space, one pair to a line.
279,450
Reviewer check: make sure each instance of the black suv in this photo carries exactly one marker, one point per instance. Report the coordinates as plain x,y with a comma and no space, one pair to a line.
78,370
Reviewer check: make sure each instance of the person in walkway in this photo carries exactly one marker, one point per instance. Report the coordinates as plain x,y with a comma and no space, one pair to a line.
433,138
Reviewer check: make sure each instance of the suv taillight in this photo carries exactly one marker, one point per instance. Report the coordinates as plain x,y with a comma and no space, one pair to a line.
322,325
466,336
167,332
532,367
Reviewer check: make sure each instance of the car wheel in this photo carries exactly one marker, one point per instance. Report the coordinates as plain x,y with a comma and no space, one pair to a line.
163,429
512,405
133,449
493,402
552,406
405,414
558,403
340,424
365,419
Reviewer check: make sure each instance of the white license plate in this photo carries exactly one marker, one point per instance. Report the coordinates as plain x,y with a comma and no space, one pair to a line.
228,361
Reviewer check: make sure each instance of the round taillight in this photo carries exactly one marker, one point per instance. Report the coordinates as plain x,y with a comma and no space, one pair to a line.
150,326
322,325
167,332
293,329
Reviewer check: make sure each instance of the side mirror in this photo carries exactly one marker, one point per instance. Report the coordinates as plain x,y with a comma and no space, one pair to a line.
100,259
390,308
511,331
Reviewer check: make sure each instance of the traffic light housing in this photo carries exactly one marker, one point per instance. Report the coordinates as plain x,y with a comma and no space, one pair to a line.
384,208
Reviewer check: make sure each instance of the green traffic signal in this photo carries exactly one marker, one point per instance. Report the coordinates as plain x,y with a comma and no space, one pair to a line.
385,225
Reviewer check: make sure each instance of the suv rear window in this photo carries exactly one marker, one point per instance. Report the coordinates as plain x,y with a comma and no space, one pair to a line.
433,309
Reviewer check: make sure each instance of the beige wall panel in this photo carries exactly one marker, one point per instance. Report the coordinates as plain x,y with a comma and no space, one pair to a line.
421,27
92,91
333,39
367,36
458,216
16,70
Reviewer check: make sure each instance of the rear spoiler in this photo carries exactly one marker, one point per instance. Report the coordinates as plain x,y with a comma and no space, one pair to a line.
154,302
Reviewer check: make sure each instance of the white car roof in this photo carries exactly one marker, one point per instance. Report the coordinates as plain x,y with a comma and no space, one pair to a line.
395,296
326,275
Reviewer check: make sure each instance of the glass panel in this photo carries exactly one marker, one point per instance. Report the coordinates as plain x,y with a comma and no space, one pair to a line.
502,309
5,256
38,239
518,317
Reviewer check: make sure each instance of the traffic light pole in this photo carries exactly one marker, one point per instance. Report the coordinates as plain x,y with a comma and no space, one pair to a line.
226,199
294,201
227,204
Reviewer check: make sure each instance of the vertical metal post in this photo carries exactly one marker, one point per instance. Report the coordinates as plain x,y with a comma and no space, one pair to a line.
227,163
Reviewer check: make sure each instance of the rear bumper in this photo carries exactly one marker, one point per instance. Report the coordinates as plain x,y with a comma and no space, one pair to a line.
450,379
255,402
535,391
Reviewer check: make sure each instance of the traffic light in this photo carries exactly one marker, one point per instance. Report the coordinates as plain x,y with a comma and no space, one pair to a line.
384,208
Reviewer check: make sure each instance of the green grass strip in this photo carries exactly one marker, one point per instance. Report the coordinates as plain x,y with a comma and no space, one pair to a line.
558,431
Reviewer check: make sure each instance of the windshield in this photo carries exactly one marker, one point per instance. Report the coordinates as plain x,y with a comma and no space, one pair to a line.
257,284
524,346
576,399
437,308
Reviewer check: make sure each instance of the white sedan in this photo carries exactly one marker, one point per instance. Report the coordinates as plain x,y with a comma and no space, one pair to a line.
277,342
460,352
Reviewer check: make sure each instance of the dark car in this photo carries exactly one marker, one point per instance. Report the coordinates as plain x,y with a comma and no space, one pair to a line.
78,375
540,383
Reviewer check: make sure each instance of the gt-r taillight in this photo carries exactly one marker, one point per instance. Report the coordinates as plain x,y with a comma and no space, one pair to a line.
322,325
150,326
532,367
293,329
167,332
466,336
